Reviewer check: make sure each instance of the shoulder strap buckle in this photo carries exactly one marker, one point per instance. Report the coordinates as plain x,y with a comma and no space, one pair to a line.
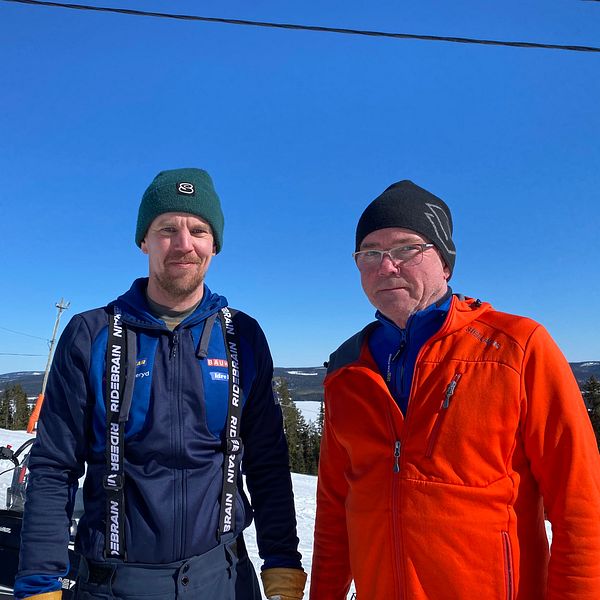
233,445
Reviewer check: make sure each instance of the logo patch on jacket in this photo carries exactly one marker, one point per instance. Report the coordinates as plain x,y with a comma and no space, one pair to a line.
483,339
216,362
140,374
218,376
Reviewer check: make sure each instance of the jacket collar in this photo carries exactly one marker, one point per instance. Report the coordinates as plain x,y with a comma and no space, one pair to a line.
419,321
463,311
136,311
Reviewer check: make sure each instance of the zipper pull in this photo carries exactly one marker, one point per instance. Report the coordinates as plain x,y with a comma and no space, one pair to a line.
397,457
174,343
450,389
399,351
392,358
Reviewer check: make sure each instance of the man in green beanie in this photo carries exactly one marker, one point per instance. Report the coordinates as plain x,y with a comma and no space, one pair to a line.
163,398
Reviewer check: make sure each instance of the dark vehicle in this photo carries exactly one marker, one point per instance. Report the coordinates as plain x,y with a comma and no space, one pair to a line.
11,518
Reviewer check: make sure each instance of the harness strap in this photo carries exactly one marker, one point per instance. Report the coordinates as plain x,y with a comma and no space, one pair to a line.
117,403
120,370
202,351
129,379
233,441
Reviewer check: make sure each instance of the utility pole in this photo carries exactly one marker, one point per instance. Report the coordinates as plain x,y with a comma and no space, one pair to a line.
61,305
35,415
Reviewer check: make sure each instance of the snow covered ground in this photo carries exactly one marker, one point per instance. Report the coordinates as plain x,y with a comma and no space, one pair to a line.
303,373
309,409
304,492
305,487
13,439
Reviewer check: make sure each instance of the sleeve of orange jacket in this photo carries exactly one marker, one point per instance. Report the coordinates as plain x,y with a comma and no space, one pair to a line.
564,458
330,575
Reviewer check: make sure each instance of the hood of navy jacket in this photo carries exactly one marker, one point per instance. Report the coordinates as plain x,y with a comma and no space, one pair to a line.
136,311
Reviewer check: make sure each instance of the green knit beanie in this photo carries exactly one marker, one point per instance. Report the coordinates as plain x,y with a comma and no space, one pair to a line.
181,190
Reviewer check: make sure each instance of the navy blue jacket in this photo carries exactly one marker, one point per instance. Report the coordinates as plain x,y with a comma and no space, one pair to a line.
173,460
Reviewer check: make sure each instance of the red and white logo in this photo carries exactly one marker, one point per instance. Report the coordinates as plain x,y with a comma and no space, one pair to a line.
216,362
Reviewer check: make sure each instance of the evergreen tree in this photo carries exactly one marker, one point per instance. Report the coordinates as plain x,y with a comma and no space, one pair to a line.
591,395
313,443
6,410
304,438
14,412
319,428
21,410
293,425
321,417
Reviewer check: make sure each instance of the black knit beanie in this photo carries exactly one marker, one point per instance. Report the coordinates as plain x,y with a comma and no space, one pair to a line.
405,204
181,190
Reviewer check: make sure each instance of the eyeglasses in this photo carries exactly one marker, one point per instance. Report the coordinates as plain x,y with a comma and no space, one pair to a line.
409,256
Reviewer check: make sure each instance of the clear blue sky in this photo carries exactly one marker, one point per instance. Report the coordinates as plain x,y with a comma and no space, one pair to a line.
300,131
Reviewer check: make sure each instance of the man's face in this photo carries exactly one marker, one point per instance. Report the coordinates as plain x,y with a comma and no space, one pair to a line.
399,290
180,247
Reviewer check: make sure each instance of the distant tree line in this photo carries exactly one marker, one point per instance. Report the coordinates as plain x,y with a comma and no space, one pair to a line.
304,438
14,410
591,395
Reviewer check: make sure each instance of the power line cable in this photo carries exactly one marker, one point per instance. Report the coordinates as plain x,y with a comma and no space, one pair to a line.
339,30
25,334
15,354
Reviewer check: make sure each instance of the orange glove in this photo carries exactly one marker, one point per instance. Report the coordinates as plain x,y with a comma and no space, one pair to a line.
283,584
47,596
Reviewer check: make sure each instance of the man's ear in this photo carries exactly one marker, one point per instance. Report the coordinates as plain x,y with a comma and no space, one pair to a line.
214,250
447,272
144,247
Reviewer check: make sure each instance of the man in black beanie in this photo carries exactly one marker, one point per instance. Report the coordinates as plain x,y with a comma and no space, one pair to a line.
450,429
163,397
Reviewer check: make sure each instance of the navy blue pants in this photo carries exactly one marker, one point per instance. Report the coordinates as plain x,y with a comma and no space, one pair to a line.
223,573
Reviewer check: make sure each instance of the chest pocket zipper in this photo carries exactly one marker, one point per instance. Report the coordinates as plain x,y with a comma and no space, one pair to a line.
444,406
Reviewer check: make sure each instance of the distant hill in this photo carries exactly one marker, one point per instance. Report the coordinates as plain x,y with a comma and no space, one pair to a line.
584,370
305,383
30,381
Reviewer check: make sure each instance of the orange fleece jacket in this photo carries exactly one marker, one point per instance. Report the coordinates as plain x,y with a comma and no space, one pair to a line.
448,503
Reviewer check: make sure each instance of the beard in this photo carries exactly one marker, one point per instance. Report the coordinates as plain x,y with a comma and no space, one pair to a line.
182,286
